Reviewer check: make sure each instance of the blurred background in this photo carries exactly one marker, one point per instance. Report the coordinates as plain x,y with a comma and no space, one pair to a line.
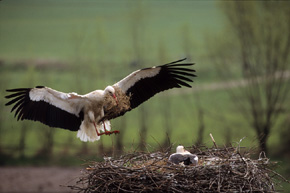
241,94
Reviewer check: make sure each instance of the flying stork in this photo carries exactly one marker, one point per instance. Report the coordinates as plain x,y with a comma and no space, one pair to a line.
89,114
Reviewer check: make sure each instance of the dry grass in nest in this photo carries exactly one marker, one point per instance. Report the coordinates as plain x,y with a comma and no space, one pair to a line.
218,170
111,109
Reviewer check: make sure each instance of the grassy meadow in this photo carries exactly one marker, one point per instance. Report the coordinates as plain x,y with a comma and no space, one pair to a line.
85,45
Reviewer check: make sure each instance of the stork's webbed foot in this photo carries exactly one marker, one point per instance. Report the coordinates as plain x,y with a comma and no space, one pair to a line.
111,132
108,132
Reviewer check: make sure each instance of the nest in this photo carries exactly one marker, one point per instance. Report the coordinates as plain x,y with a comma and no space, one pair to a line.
218,170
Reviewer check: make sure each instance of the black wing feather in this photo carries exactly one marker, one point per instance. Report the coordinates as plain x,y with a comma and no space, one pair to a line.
183,69
138,89
177,158
183,73
41,111
171,75
186,159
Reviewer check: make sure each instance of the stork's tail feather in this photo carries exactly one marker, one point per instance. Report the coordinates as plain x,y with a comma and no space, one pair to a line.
89,133
107,126
84,137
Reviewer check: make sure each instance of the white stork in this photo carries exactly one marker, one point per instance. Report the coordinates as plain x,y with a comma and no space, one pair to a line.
183,157
89,114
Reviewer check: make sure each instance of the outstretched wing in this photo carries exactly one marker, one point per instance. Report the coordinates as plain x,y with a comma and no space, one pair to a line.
145,83
51,107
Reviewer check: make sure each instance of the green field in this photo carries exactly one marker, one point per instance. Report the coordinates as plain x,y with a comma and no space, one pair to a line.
36,29
85,45
93,45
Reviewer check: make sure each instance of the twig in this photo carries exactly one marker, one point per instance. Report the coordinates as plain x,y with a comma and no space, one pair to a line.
213,141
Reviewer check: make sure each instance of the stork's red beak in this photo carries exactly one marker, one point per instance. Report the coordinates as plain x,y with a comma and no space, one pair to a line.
116,99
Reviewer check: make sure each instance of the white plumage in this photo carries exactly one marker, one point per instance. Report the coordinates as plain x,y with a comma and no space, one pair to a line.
89,114
183,156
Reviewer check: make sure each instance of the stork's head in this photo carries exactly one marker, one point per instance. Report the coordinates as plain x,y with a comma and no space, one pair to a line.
180,149
111,91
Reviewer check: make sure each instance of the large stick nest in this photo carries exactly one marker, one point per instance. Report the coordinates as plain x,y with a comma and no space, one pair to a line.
218,170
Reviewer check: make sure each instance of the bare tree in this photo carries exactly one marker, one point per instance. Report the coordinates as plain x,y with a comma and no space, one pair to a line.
166,103
47,141
78,40
285,138
201,124
260,49
30,78
138,41
187,44
4,80
120,137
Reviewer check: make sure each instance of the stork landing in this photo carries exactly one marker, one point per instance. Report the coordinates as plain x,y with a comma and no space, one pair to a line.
89,114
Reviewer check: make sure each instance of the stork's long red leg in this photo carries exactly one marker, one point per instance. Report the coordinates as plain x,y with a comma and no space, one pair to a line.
99,134
106,132
109,132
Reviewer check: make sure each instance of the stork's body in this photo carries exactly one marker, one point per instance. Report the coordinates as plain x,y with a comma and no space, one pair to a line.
92,127
89,114
183,157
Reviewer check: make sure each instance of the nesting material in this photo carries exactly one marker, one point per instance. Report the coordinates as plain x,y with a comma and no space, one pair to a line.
112,109
218,170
